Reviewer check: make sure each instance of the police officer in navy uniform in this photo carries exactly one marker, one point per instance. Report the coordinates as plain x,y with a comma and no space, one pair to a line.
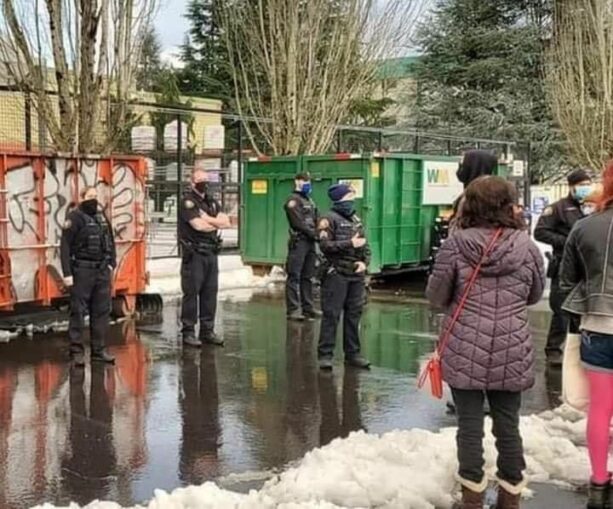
343,243
553,229
198,230
88,258
301,257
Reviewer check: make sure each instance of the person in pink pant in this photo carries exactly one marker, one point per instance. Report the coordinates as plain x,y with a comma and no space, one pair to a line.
586,278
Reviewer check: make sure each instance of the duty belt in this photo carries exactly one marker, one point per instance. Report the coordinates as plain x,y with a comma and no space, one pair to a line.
203,248
89,264
346,267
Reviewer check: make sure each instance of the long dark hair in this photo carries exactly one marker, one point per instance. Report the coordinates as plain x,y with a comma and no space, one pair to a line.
489,202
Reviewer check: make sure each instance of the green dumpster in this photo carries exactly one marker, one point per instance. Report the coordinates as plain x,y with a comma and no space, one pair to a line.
399,196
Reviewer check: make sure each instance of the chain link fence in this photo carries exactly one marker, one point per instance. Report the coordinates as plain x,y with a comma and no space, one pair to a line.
176,139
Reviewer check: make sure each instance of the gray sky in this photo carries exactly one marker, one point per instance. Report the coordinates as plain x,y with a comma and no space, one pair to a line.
171,25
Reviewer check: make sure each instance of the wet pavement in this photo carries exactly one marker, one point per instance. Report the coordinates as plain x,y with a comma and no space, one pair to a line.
164,417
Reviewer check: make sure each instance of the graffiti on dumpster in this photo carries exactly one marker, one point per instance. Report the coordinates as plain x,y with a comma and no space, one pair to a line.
122,199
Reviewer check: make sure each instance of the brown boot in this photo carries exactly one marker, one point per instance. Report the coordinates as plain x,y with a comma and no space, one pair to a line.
470,499
509,495
473,494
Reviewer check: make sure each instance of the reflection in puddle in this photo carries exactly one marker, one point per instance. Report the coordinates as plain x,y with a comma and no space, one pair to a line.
163,417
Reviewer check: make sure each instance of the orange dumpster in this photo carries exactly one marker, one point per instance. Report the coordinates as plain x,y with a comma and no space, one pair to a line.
36,194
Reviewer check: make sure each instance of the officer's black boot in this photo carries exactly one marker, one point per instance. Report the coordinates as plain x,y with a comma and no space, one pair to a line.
295,316
209,337
358,361
326,364
77,360
313,314
102,356
189,339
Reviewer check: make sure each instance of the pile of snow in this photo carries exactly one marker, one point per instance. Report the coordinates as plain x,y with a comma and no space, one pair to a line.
401,469
165,275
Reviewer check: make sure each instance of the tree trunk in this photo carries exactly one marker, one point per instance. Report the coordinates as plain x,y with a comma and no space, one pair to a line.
62,77
89,90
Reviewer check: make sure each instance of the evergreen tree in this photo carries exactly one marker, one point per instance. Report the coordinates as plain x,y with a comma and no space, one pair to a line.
482,75
169,96
206,72
150,64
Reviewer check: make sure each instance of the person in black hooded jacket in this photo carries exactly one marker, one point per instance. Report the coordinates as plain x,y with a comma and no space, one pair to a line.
475,164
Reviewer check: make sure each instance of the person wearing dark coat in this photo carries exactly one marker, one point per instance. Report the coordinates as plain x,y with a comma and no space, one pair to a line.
301,263
475,164
553,228
343,242
586,286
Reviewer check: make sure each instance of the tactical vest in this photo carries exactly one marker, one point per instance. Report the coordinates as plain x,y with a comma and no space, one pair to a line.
346,229
309,212
93,241
205,243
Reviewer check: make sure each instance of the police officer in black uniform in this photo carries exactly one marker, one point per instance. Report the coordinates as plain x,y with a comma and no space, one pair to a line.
553,228
198,230
301,257
343,243
87,251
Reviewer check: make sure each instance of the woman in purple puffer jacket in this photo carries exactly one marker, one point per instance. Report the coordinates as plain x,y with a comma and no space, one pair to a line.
490,351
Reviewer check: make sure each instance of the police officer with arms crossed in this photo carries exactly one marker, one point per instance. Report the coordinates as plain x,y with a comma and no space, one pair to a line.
342,241
301,257
553,228
198,230
87,251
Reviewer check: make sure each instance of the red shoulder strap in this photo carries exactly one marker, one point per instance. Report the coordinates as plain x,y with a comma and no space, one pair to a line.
473,277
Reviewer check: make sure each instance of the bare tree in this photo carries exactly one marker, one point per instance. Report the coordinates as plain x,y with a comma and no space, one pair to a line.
94,47
300,64
580,75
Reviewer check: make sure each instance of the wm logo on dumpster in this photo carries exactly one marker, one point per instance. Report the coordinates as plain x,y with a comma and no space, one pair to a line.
438,177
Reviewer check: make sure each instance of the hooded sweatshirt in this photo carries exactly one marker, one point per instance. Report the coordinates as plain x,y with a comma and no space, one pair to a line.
475,164
490,347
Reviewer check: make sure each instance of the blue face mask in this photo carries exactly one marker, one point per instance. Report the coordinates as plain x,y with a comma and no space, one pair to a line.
306,189
582,192
345,208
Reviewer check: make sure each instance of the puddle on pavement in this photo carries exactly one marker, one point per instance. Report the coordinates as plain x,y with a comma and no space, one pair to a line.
164,417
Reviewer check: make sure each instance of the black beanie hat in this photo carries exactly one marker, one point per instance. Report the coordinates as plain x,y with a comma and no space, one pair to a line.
577,176
338,191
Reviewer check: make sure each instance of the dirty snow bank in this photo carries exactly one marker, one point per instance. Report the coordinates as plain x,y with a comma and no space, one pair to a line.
233,274
401,469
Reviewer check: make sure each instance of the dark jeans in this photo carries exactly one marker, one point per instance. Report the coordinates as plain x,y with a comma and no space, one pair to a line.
504,409
199,283
559,321
341,295
89,295
300,267
597,350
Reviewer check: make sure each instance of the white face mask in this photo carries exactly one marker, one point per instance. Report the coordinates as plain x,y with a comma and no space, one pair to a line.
588,209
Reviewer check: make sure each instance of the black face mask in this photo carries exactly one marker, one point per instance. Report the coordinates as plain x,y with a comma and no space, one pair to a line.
90,207
345,208
201,187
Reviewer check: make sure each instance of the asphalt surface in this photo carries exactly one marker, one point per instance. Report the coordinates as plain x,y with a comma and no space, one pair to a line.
164,417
